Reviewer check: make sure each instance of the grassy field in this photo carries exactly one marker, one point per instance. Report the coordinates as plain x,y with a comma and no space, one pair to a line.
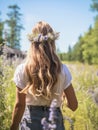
85,82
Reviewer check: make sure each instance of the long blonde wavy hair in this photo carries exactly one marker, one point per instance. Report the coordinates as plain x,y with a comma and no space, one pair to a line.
42,64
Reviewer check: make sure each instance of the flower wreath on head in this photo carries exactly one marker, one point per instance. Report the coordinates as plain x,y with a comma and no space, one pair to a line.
39,37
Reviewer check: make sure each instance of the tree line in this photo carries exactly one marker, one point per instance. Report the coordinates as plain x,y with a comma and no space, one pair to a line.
86,48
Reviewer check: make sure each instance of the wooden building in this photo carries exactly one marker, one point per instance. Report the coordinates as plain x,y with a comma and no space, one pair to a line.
9,52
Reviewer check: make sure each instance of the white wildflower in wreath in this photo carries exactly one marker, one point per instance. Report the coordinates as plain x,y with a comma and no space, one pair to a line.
39,37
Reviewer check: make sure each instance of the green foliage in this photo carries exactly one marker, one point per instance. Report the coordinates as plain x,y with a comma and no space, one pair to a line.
94,5
87,46
7,95
90,47
69,56
77,52
92,112
86,49
63,56
85,81
1,31
13,35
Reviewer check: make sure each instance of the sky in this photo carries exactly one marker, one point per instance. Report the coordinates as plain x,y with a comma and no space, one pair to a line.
71,18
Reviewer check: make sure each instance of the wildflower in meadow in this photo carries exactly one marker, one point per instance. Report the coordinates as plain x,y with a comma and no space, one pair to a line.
95,96
50,124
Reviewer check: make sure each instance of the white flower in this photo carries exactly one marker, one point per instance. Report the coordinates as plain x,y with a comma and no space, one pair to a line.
39,37
95,96
50,124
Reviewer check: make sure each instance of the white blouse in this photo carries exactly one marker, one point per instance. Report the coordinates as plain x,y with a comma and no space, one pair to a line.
63,82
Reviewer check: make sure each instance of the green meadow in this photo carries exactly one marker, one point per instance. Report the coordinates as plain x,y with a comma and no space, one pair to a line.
85,82
84,72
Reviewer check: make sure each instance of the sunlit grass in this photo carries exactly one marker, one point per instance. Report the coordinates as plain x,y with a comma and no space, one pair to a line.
85,82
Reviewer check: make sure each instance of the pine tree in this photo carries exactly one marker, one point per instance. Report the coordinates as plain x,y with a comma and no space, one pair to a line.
69,53
15,27
1,31
86,48
94,5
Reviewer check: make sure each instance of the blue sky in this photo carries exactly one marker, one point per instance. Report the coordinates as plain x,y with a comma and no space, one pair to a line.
71,18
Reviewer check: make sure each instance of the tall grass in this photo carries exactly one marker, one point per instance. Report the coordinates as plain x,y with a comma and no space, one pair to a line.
85,82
